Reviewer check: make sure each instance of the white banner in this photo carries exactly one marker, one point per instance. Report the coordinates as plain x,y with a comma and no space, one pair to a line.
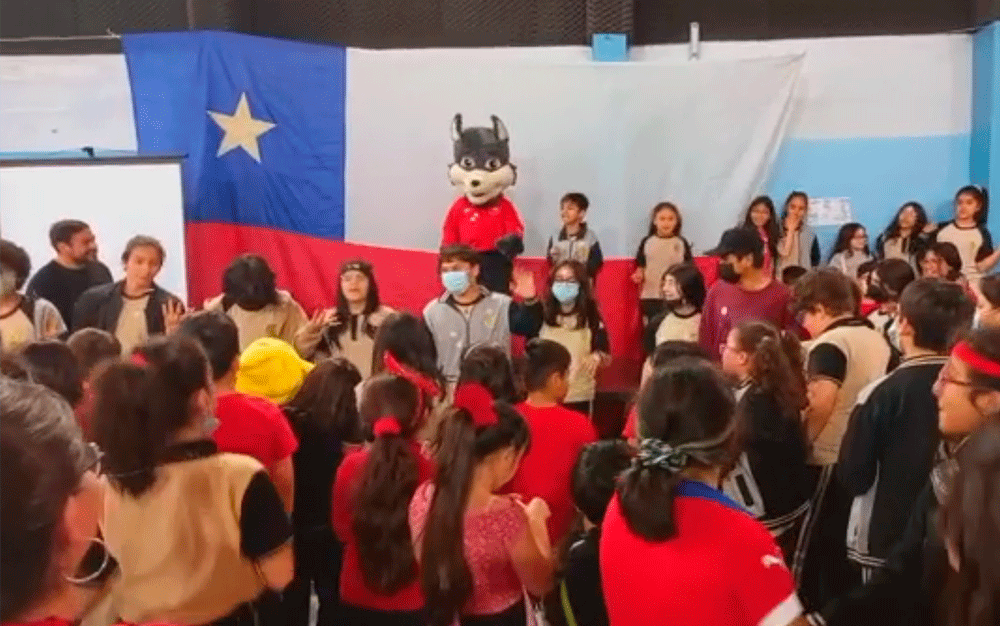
701,134
63,103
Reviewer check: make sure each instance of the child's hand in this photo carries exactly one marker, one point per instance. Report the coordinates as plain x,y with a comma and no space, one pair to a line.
639,276
524,284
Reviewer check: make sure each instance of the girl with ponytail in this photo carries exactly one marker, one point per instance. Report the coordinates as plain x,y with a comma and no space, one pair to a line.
711,563
201,536
769,478
379,581
479,550
969,233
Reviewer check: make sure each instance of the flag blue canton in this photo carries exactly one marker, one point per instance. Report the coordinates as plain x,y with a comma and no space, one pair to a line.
261,122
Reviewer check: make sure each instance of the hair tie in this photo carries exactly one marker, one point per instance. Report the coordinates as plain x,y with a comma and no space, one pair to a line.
385,426
964,352
138,359
478,402
660,454
419,380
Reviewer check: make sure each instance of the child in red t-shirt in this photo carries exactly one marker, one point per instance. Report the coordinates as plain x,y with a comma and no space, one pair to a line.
557,435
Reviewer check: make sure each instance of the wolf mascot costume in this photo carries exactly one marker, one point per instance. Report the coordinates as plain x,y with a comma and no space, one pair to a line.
483,217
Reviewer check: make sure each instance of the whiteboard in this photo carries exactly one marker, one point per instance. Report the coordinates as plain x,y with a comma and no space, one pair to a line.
118,200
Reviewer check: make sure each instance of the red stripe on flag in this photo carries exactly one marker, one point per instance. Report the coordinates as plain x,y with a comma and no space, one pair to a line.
308,267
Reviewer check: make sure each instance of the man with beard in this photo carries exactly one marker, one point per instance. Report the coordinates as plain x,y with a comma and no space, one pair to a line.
74,270
252,300
745,292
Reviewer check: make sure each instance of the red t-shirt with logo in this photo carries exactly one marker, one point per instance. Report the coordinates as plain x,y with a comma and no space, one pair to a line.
721,568
481,226
255,427
557,437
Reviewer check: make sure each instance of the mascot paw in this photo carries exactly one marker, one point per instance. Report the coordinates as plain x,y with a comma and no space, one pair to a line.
510,245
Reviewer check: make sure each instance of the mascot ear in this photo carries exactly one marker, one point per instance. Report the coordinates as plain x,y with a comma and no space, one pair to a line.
456,127
499,129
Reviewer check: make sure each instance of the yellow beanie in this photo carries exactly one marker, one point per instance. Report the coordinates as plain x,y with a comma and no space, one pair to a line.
272,369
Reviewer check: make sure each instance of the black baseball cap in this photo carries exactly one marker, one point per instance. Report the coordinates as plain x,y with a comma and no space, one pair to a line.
738,241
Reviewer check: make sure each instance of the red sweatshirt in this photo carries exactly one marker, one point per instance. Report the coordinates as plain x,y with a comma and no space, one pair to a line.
481,226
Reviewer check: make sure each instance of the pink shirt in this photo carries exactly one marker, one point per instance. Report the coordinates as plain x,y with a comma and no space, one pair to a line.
489,536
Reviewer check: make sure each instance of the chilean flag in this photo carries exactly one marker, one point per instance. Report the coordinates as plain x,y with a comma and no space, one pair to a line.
262,125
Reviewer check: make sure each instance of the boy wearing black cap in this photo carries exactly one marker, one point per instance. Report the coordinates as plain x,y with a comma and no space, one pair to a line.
744,292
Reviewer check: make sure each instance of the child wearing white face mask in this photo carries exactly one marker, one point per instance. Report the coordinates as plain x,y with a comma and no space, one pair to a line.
573,320
23,319
683,289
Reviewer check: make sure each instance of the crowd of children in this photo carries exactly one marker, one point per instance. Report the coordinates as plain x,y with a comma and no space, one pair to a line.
808,444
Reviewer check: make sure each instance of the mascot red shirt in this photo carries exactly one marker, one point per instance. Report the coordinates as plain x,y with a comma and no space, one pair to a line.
482,217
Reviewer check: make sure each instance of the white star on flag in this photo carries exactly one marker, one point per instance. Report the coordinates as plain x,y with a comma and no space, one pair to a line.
241,129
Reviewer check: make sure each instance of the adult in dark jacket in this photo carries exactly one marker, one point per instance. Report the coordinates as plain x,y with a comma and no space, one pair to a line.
913,587
134,308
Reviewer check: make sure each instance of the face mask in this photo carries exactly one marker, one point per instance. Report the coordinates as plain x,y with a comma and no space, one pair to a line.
728,273
565,291
8,279
456,282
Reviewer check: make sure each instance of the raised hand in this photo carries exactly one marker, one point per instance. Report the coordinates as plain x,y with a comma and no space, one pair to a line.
173,314
524,284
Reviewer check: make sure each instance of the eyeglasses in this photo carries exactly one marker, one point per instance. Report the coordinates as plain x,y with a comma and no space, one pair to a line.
945,379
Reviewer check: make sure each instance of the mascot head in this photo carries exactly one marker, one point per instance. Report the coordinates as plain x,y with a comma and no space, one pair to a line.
482,165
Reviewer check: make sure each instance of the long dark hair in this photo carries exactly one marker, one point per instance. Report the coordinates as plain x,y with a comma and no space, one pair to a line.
410,342
948,253
389,478
372,303
326,400
843,241
665,206
793,195
892,230
140,404
970,527
775,365
43,460
982,196
772,228
445,574
249,282
584,307
690,282
687,417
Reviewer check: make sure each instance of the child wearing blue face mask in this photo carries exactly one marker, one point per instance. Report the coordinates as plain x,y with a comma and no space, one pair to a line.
572,319
467,314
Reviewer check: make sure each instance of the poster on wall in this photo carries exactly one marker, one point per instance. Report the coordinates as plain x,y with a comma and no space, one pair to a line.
829,211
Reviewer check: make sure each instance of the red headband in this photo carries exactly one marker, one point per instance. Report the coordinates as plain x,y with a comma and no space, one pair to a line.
478,401
976,361
420,381
387,425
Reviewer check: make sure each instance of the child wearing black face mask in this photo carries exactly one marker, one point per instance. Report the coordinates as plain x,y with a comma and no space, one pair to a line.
252,300
746,291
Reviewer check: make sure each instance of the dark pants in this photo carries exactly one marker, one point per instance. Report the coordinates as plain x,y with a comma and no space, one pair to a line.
318,557
495,271
826,574
351,615
264,611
